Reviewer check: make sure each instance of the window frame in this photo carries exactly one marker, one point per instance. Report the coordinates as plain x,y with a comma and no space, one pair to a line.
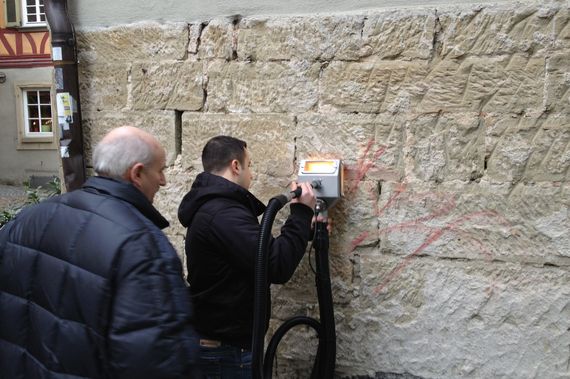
21,14
46,140
24,14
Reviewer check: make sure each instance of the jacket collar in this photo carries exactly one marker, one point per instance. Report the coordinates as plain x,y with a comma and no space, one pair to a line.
209,186
127,192
221,186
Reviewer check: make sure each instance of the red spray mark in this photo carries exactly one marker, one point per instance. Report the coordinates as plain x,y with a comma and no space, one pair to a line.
436,235
447,205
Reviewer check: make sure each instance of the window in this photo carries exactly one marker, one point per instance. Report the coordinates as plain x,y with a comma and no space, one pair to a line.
37,113
35,116
33,13
24,12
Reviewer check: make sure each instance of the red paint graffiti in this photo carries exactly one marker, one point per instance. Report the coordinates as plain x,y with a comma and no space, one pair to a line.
445,205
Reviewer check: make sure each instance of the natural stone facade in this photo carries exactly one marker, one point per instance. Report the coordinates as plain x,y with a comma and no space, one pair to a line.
450,254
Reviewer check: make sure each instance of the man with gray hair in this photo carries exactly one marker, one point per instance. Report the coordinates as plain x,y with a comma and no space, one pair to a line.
90,287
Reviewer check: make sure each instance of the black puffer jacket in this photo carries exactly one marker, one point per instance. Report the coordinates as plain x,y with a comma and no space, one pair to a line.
221,244
91,287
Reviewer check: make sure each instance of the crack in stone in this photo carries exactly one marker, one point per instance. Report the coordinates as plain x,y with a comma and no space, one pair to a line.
436,42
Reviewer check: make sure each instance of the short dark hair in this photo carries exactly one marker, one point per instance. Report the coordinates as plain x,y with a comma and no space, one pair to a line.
220,151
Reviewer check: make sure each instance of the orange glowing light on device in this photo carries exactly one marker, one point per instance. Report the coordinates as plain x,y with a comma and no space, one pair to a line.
320,167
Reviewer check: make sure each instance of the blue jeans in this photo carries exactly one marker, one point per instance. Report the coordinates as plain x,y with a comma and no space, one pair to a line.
223,362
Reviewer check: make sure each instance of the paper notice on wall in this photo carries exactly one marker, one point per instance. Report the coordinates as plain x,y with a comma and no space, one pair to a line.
64,151
56,54
65,105
58,78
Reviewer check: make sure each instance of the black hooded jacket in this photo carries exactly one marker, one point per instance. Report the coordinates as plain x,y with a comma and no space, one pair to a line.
90,287
221,245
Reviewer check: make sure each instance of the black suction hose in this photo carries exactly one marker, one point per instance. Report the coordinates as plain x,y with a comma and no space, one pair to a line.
279,334
327,338
326,354
261,291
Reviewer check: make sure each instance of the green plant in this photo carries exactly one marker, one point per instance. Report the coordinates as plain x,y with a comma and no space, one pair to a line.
33,196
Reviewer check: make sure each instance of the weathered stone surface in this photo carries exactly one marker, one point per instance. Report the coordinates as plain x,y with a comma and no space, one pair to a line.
167,85
557,98
500,30
142,41
441,318
528,148
514,85
479,221
217,40
358,87
161,124
269,137
178,182
262,88
194,35
404,35
310,38
103,86
444,147
369,145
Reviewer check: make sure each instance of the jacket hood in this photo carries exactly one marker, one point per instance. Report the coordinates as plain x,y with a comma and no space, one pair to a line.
127,192
208,186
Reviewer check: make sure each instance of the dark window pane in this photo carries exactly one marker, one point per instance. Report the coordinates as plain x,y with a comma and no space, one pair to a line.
34,126
45,97
33,111
43,17
31,2
32,97
46,111
11,10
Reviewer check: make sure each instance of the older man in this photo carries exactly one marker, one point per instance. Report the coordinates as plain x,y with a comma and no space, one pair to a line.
89,284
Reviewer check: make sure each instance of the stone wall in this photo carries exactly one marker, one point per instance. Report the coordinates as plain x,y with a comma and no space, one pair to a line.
451,249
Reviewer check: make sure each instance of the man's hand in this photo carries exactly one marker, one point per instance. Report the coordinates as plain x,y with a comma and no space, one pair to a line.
321,218
307,196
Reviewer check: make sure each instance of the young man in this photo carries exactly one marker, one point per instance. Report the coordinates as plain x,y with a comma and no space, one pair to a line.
221,243
89,284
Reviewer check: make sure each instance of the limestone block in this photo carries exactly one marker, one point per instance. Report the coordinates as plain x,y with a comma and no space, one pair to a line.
269,137
161,124
404,95
369,145
513,84
272,87
103,86
216,40
522,89
442,147
194,35
557,98
441,318
127,43
178,182
358,87
504,29
405,35
355,225
167,85
528,148
305,38
480,221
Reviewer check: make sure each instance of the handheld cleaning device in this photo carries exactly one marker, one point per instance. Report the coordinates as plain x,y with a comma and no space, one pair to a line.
326,178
